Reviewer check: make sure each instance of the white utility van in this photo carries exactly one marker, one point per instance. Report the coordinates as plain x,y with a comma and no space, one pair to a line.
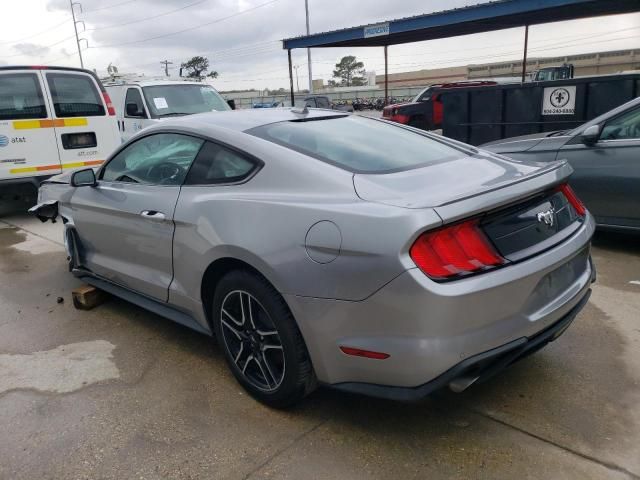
51,119
141,103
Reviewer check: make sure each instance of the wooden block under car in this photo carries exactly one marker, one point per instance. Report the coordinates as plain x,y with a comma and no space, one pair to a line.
87,297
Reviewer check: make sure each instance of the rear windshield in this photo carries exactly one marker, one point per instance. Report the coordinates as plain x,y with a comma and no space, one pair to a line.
74,95
176,100
359,144
21,97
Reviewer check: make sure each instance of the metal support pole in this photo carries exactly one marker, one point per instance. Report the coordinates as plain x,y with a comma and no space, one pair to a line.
386,76
75,28
293,101
306,8
524,57
296,67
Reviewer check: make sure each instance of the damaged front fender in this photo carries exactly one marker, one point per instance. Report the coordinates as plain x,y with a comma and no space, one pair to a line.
46,211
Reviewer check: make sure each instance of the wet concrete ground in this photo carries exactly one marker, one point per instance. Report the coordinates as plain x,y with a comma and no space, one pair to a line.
119,393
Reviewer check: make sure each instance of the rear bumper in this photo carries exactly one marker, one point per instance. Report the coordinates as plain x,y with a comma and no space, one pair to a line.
428,328
475,369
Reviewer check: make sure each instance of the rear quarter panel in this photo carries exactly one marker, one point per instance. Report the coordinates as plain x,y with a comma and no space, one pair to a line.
265,223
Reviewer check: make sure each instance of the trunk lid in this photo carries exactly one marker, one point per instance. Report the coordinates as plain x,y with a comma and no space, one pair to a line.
450,181
518,204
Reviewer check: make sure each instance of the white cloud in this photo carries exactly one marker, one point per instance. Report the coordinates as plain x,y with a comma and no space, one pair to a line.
245,49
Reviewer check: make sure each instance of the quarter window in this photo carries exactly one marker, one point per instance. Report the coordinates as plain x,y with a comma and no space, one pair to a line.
21,97
216,164
160,159
74,95
133,96
623,127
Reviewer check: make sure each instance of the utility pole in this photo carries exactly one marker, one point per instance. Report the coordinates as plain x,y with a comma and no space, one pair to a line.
306,7
524,56
166,64
296,67
75,27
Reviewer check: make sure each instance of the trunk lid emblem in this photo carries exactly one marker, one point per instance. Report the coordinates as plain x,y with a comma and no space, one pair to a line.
547,217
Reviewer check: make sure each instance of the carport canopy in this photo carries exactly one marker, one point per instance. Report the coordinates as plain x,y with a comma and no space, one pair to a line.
478,18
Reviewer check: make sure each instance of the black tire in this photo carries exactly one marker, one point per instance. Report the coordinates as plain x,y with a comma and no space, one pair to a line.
297,378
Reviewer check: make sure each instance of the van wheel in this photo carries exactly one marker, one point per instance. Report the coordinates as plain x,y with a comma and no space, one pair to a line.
260,340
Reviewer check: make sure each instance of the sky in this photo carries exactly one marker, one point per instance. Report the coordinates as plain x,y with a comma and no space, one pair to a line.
241,38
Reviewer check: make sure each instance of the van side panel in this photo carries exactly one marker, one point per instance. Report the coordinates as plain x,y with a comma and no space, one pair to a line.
28,145
85,132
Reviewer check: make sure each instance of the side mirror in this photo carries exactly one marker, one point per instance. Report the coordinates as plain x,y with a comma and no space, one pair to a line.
232,103
84,178
590,135
134,111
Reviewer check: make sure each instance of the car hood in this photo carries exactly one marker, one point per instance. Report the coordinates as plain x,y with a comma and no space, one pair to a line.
449,181
544,140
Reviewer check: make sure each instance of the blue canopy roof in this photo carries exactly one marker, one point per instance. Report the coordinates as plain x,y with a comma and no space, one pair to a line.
463,21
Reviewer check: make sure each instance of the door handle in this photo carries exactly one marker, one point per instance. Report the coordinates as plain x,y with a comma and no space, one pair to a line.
153,215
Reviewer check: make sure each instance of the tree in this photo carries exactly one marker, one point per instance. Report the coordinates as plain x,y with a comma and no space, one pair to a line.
198,68
349,71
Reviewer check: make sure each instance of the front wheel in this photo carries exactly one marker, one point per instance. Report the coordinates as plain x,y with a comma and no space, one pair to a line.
260,340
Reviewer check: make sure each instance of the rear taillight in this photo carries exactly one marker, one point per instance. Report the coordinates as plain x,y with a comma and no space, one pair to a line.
453,251
404,119
573,199
107,100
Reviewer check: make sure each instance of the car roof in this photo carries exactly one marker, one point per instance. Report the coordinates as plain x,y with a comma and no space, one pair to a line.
151,83
246,119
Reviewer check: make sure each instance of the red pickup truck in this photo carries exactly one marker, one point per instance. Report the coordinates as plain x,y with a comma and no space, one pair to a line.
425,111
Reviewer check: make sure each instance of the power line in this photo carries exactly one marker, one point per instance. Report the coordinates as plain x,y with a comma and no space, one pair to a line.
188,29
113,5
43,47
253,49
36,34
146,18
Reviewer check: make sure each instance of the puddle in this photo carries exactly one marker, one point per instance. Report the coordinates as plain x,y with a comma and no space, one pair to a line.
36,245
61,370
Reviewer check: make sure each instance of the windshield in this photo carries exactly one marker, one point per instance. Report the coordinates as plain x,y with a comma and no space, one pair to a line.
174,100
423,96
359,144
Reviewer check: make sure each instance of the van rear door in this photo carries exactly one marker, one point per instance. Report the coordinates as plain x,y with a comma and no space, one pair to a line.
27,138
85,124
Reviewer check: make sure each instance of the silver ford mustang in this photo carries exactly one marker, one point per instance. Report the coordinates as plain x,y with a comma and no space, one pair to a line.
325,248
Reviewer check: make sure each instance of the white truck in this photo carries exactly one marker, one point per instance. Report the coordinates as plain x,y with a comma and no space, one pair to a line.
140,103
52,119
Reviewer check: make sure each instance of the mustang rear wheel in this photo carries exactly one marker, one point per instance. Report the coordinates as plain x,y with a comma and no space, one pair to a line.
260,340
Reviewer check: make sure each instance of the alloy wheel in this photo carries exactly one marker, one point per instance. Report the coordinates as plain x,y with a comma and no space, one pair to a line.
252,340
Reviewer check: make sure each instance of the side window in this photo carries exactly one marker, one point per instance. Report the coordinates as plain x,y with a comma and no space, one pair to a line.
310,102
21,97
160,159
623,127
75,95
133,97
216,164
323,102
